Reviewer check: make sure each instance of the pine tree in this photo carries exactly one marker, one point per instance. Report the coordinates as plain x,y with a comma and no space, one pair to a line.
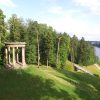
74,45
64,46
47,47
14,28
87,54
31,46
2,34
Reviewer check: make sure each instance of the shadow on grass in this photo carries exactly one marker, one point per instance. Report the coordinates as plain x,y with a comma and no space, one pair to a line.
87,86
19,85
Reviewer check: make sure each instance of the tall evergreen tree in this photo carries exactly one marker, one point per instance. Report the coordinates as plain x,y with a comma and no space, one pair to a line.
74,45
2,33
47,47
86,53
31,45
64,49
14,28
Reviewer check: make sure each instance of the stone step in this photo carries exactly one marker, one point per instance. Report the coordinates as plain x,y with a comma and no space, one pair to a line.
81,68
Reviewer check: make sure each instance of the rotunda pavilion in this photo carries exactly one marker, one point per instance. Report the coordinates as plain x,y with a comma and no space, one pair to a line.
12,55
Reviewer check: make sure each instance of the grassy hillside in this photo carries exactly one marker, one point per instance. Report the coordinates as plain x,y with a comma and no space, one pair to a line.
47,84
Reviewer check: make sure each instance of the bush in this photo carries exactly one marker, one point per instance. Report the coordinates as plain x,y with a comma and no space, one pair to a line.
96,75
69,66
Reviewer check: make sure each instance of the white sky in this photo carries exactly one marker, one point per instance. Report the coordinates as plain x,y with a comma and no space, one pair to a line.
80,17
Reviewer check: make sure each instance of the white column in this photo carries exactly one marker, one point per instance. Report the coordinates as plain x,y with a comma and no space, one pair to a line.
23,55
9,55
13,55
17,60
6,54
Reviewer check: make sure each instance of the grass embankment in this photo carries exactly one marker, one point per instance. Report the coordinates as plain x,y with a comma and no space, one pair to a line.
47,84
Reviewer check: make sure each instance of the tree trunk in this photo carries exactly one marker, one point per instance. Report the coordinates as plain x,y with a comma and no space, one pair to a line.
47,62
38,50
72,57
58,51
0,40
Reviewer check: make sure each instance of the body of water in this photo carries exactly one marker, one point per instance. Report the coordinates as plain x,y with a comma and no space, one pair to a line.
97,51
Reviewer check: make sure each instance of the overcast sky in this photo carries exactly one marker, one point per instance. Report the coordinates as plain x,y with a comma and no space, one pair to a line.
79,17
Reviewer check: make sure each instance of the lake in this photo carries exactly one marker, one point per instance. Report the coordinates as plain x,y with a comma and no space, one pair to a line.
97,51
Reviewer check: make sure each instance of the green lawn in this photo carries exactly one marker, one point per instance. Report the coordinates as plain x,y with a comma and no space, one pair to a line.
47,84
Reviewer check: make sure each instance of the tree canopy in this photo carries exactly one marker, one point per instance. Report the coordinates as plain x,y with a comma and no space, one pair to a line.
43,44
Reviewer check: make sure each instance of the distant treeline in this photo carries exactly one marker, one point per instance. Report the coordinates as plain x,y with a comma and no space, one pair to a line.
95,43
44,45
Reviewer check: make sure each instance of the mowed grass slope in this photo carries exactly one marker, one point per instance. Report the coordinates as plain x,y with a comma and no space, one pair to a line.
47,84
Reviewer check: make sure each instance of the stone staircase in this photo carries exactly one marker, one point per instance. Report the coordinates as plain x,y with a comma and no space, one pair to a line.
98,67
82,69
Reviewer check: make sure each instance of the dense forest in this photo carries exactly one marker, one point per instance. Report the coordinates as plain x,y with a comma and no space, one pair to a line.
45,46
